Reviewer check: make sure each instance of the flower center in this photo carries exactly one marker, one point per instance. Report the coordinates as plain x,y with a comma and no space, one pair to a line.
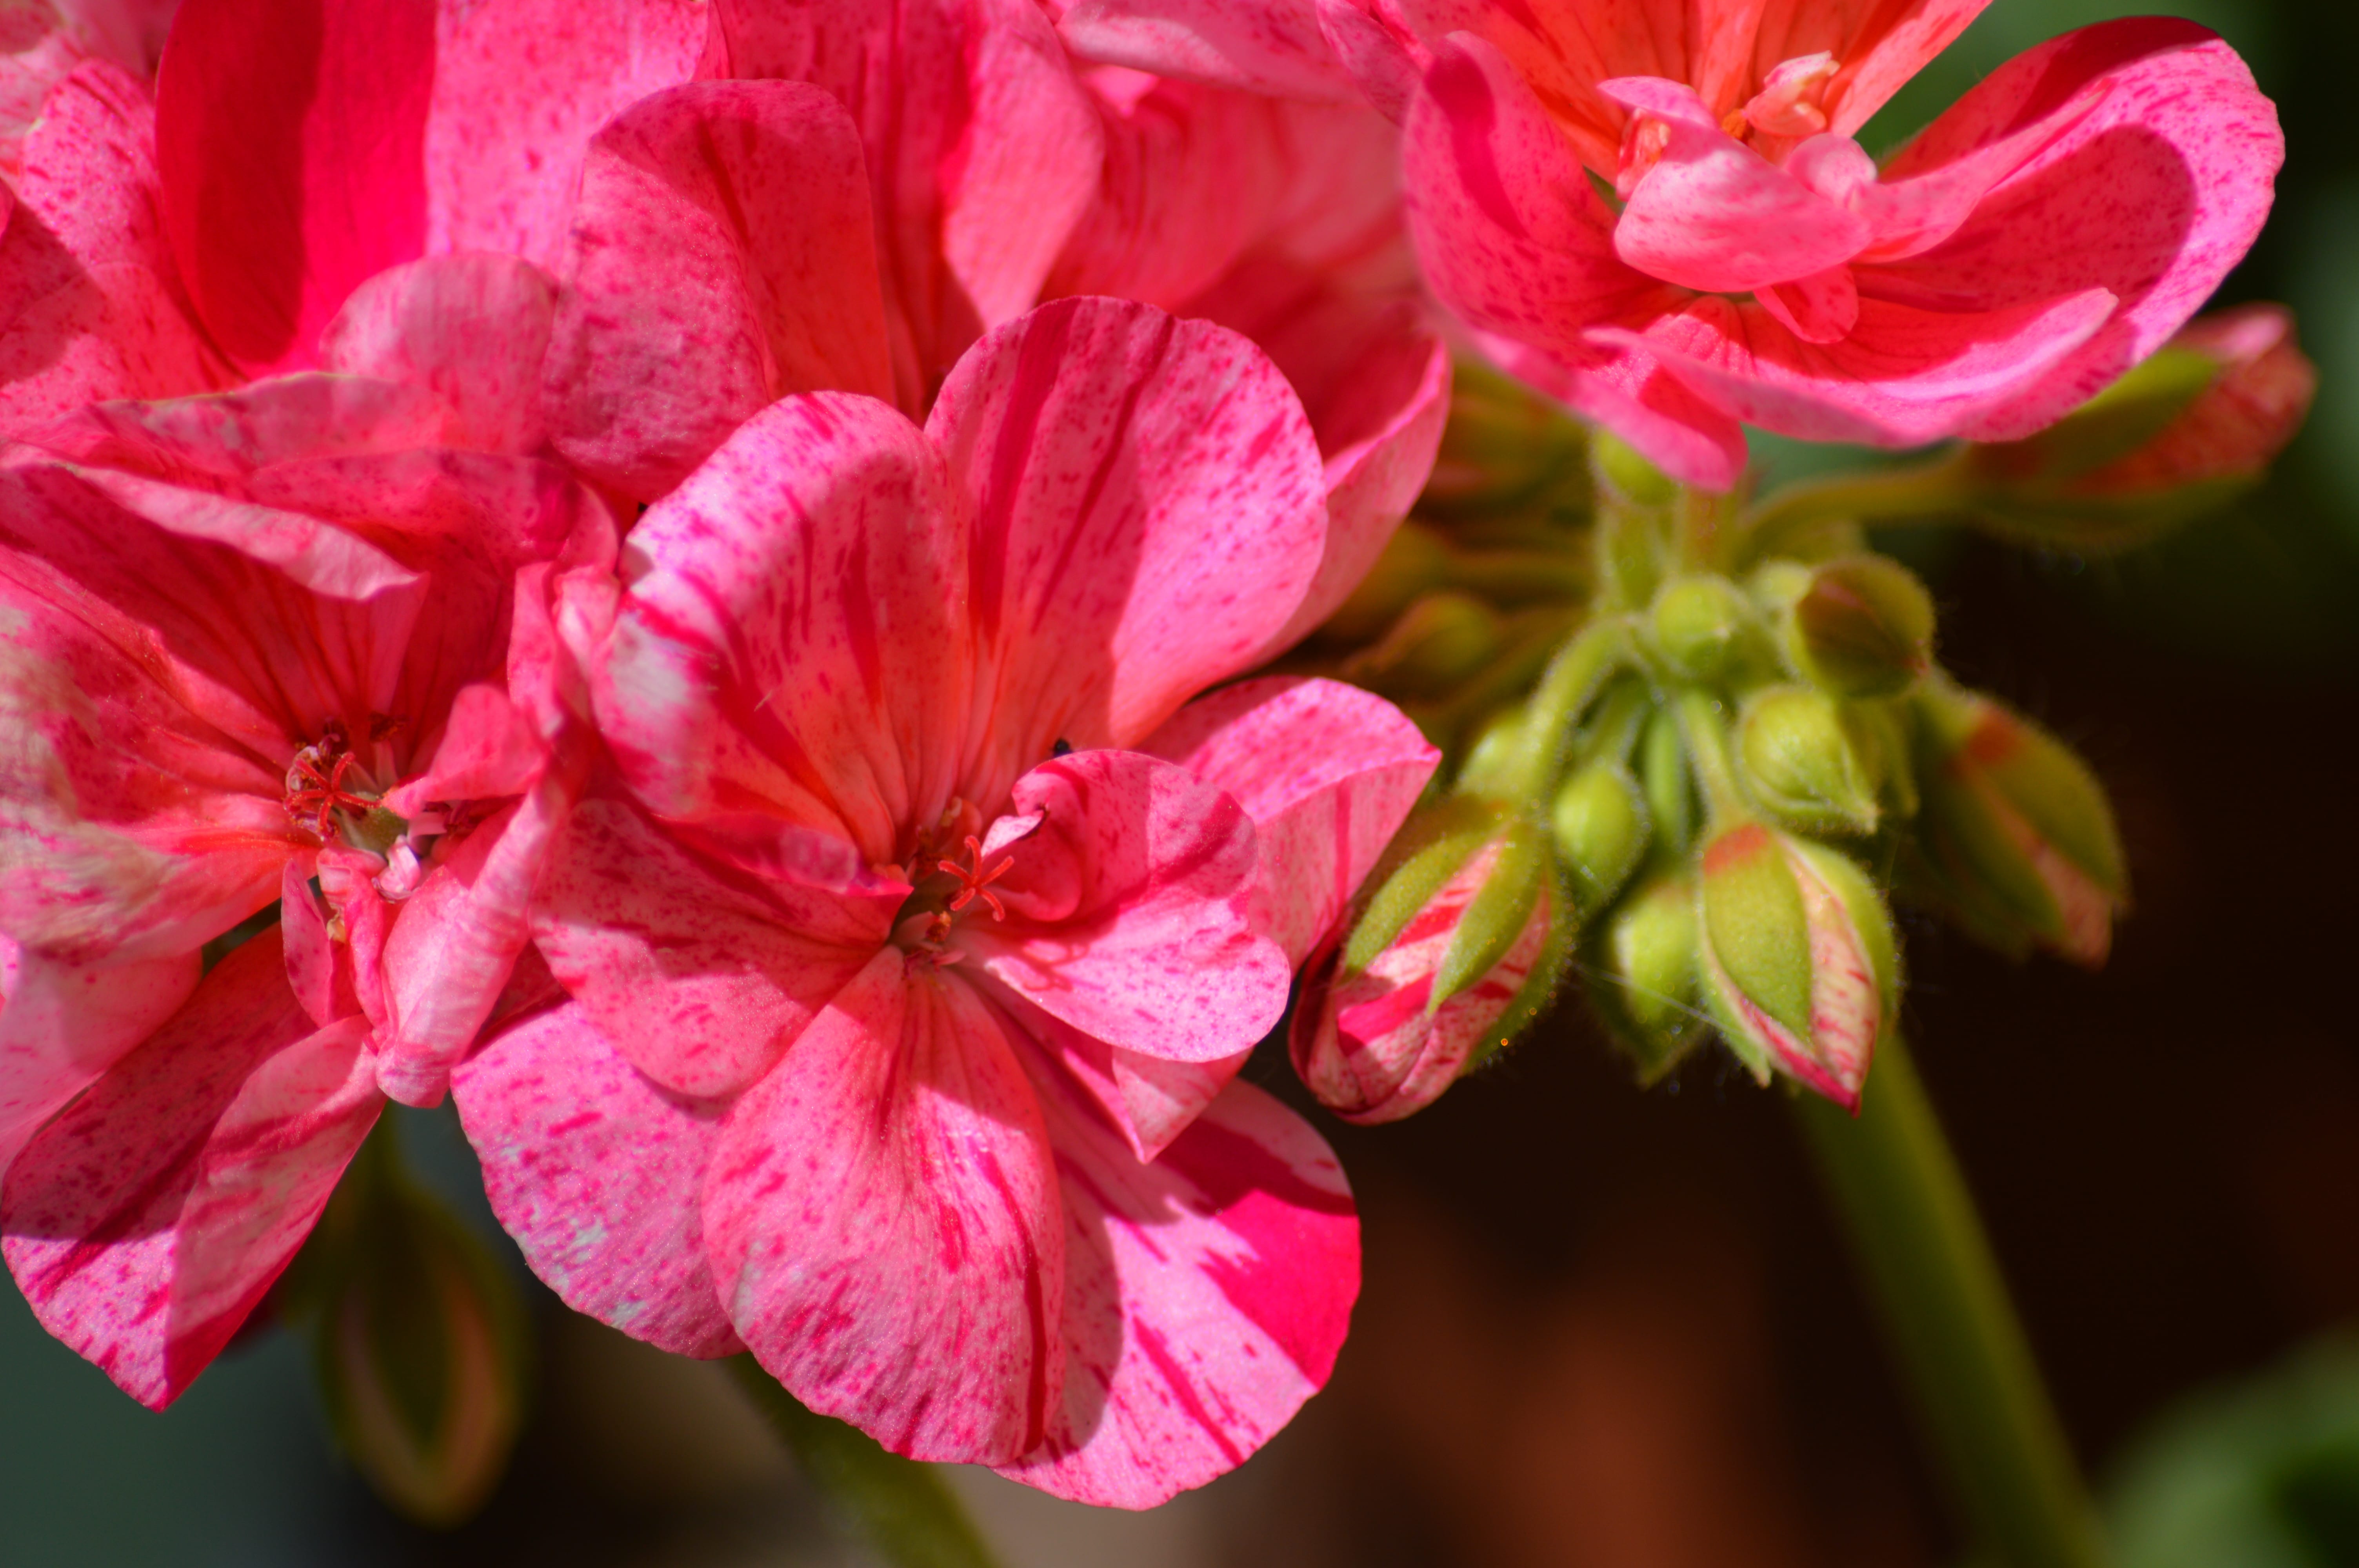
333,795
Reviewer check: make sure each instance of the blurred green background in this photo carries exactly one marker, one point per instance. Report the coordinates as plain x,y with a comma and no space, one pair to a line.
1602,1329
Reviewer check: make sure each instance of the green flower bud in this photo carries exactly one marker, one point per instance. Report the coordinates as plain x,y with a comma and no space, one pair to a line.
1441,641
1797,960
2016,839
1859,626
1669,785
1630,476
1701,624
418,1342
1802,755
1506,449
1645,957
1600,818
1414,559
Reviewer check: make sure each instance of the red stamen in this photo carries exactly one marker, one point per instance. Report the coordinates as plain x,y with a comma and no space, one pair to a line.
977,882
321,794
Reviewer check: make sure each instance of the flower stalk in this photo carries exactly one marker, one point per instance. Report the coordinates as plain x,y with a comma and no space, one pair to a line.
1947,1320
900,1505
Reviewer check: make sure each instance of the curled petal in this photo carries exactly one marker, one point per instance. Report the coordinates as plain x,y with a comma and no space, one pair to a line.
472,330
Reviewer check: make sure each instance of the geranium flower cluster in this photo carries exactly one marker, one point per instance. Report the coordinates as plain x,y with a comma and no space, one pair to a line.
677,571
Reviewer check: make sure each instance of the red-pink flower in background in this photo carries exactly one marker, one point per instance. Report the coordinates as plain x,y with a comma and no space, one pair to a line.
1752,263
916,940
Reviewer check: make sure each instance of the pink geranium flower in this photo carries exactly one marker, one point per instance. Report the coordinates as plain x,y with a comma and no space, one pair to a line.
916,939
1661,216
258,646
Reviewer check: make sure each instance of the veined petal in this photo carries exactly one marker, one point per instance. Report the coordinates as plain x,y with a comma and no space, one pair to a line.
723,256
2154,191
520,89
1146,496
472,330
1129,910
882,1215
1261,46
795,630
1206,1293
61,1027
700,979
147,1220
599,1175
1327,772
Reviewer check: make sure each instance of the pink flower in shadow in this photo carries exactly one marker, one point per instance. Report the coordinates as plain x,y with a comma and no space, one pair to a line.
919,928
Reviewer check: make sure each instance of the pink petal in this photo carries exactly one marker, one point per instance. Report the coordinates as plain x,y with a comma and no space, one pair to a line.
1513,238
147,1219
1820,308
1129,910
881,1215
698,978
471,330
85,310
1162,1098
841,704
61,1027
1327,772
599,1175
1207,1294
1147,515
2153,193
1903,377
723,256
982,148
520,89
290,137
1716,216
456,943
489,749
1262,46
1879,46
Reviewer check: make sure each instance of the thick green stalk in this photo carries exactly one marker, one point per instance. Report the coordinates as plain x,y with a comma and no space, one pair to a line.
899,1504
1949,1322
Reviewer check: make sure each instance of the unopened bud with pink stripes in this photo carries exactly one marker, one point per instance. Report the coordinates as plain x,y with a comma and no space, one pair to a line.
1797,961
1456,950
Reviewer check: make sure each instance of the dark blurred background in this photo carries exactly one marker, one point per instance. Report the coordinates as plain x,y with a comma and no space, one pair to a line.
1610,1329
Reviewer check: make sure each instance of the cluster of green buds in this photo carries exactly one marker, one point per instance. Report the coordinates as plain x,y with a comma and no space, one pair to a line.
1734,743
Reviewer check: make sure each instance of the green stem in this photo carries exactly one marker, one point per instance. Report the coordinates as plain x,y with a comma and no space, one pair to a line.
1707,737
899,1504
1915,494
1948,1323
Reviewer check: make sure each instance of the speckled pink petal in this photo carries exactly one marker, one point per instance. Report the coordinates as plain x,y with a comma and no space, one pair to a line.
698,978
520,89
1514,239
1261,46
1129,909
455,941
1146,495
1327,772
85,310
1903,376
982,148
599,1175
2153,192
145,1222
795,635
1207,1294
289,138
723,256
882,1216
61,1026
471,330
